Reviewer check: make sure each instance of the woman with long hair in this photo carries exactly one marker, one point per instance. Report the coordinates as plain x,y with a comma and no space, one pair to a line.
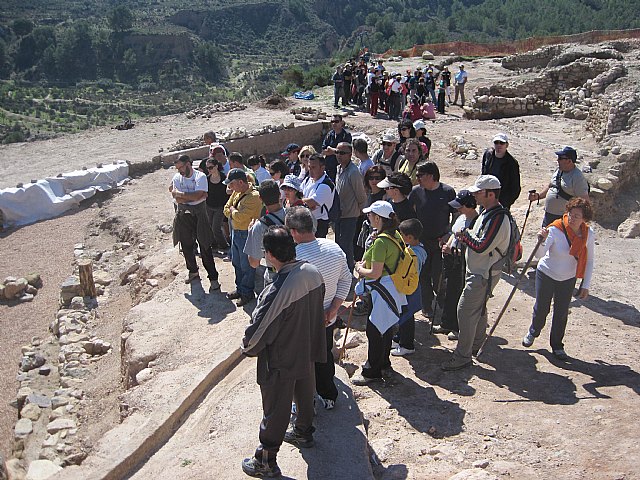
258,164
567,254
380,258
303,156
217,197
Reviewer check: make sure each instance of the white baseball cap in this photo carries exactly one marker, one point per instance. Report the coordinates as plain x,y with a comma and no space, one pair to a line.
485,182
501,137
380,207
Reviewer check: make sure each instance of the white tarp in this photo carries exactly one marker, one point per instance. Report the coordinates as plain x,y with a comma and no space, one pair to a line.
53,196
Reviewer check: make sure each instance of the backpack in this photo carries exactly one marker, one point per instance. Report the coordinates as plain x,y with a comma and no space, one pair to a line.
268,220
509,258
405,275
334,212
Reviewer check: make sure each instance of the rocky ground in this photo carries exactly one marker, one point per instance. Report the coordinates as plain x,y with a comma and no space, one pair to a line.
517,413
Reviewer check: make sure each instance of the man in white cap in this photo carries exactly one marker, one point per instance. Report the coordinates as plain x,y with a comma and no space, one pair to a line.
487,242
497,161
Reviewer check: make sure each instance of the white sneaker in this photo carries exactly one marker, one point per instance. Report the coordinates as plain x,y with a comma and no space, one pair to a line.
528,339
452,335
327,403
401,351
394,344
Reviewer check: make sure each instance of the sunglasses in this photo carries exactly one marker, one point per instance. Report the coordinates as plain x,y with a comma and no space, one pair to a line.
305,155
389,188
376,177
342,152
336,121
387,144
498,142
211,167
404,128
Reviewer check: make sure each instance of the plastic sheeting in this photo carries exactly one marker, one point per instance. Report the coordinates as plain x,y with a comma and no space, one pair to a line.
308,95
53,196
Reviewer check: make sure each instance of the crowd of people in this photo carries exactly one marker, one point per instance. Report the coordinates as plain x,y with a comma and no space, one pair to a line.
404,242
413,94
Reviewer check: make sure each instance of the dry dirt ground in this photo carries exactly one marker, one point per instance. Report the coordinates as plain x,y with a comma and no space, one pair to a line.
517,411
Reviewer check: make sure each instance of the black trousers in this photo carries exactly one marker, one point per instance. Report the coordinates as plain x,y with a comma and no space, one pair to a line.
322,229
188,228
430,274
454,272
325,372
277,396
378,351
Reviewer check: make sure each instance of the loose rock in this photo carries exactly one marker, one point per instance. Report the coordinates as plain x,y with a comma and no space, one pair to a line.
42,469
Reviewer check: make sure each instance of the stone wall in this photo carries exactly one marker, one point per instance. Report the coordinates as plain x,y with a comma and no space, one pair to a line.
538,58
486,107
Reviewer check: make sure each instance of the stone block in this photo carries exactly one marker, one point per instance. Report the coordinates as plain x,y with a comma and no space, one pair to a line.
23,427
60,424
42,469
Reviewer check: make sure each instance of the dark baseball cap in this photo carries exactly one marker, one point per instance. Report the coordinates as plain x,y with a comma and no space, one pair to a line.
464,199
569,152
292,147
235,174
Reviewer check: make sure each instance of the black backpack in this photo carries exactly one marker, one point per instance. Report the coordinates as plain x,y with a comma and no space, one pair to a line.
270,219
334,213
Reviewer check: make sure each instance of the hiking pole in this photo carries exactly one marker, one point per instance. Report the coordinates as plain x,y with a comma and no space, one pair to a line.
513,291
526,217
346,332
434,306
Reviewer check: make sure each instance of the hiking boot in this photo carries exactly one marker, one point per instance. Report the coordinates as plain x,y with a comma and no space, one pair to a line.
244,300
455,364
452,336
191,277
528,339
254,468
361,380
401,351
438,329
233,295
297,439
560,354
215,285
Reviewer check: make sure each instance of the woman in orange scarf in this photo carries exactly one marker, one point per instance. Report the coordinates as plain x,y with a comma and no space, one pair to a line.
567,254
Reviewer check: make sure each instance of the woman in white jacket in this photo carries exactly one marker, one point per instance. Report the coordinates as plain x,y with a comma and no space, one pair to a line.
567,254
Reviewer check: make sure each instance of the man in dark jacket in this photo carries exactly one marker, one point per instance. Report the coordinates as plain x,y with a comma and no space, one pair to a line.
287,335
498,162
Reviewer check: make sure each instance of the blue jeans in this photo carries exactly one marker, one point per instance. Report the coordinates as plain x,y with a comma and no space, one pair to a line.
547,289
245,274
345,230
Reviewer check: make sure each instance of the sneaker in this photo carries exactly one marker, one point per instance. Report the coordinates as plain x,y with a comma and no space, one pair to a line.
401,351
394,344
233,295
215,285
191,277
244,300
528,339
254,468
361,380
560,354
440,330
298,439
452,336
455,364
327,403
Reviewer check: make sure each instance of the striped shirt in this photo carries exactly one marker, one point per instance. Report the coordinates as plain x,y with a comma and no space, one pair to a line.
331,262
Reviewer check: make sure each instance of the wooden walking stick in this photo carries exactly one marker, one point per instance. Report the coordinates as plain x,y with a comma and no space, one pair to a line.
513,291
346,332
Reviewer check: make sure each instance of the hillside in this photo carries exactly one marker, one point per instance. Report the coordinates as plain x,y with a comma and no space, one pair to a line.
170,55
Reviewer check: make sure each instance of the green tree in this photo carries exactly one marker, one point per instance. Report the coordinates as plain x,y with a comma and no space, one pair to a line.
22,27
75,56
121,19
210,60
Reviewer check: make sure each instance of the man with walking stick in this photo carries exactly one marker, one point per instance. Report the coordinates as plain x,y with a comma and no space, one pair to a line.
487,245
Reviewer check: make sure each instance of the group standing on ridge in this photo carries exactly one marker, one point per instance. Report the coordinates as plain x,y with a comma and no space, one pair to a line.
404,243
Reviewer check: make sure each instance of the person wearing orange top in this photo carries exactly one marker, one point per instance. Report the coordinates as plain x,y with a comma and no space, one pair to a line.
567,254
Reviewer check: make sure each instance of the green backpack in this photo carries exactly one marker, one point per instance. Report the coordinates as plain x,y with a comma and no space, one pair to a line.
405,276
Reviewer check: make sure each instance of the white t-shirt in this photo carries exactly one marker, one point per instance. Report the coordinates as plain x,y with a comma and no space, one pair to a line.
197,182
331,262
321,194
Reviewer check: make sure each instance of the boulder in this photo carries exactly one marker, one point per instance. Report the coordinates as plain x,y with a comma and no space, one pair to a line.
42,469
427,55
604,184
15,289
630,228
34,279
23,427
70,288
4,475
30,411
